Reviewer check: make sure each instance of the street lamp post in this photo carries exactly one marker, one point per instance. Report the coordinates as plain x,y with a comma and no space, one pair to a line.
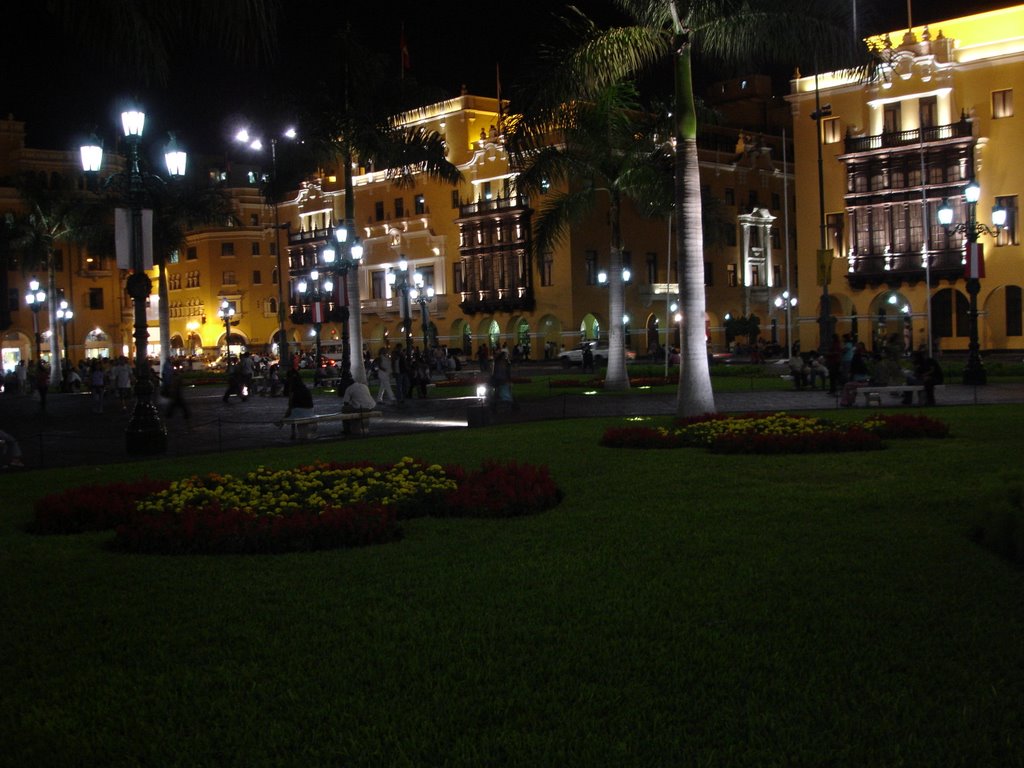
399,280
35,298
255,144
423,297
64,315
788,302
340,262
319,291
974,372
145,433
226,312
820,112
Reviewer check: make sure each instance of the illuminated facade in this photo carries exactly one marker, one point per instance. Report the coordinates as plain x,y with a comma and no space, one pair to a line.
937,115
470,242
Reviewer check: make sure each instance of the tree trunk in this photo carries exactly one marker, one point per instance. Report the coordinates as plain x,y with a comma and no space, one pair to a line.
694,396
163,317
615,377
355,319
56,375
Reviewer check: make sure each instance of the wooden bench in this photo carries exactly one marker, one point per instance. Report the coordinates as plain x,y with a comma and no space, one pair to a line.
874,394
362,419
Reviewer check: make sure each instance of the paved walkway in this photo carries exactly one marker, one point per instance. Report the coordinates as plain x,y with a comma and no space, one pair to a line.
69,434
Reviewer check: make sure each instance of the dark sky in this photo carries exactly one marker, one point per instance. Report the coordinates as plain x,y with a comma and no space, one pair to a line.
63,92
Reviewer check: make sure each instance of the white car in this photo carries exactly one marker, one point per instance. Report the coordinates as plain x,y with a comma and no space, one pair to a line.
574,356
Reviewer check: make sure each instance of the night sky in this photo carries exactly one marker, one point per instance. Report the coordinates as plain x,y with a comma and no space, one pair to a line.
64,92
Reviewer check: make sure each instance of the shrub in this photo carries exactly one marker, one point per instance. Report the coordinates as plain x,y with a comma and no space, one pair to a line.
91,507
315,506
500,490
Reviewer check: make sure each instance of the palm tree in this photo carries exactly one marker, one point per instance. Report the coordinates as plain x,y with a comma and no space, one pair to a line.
361,123
179,207
55,214
604,147
726,30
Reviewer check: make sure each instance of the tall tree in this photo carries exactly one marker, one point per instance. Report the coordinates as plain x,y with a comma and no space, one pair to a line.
55,214
599,149
179,207
356,118
720,30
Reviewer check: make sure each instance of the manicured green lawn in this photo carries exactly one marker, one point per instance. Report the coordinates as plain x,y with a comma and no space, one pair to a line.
677,609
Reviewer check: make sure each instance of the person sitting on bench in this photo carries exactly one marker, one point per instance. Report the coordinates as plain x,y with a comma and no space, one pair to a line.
300,401
357,399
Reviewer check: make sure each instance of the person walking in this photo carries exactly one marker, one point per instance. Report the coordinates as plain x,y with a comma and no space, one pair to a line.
121,379
400,365
384,394
501,380
21,372
235,384
172,387
97,386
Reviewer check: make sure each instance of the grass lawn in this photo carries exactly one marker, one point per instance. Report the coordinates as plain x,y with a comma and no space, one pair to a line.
677,609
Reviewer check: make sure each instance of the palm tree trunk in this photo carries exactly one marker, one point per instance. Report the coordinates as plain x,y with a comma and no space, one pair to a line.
56,375
355,319
163,317
694,396
615,377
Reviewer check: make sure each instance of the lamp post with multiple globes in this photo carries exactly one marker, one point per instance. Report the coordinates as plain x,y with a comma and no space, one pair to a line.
400,281
340,262
145,433
64,315
35,298
974,371
256,145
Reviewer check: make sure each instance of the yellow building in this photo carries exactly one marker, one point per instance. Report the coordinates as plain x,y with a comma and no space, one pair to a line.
937,115
470,243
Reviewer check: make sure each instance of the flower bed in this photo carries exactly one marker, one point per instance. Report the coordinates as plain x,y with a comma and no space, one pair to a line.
775,433
317,506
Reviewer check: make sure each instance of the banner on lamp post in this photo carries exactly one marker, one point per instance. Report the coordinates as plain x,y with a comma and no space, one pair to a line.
825,259
123,238
975,265
318,311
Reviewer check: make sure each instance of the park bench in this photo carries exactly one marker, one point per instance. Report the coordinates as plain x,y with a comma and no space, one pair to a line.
874,394
361,419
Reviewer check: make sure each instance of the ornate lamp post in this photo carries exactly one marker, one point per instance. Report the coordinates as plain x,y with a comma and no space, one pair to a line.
423,297
974,269
320,291
226,313
64,315
785,300
145,434
256,145
35,298
399,281
340,262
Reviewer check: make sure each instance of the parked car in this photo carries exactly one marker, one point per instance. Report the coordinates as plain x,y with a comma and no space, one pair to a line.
574,356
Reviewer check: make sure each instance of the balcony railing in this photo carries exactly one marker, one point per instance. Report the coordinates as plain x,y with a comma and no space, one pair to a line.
958,130
894,269
494,204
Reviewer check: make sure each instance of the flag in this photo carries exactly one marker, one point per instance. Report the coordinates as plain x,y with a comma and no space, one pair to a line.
318,311
123,238
825,258
975,266
404,51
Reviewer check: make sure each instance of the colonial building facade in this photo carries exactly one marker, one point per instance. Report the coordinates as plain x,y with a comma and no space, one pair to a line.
935,116
470,242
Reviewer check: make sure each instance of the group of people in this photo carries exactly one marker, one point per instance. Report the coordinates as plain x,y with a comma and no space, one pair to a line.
847,365
410,369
